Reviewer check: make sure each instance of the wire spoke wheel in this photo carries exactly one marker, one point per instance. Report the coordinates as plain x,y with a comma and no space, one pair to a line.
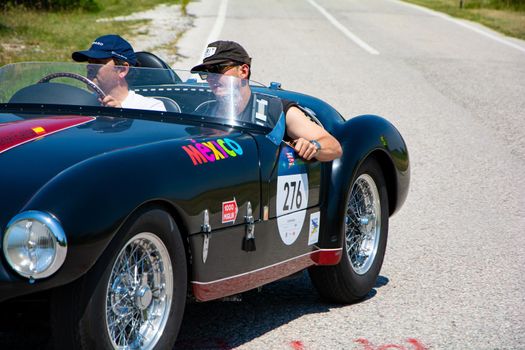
363,224
139,293
364,229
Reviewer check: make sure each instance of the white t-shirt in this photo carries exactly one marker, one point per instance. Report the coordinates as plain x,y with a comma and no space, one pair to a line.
137,101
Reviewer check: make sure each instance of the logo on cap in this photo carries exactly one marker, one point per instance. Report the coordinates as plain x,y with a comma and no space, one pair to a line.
210,51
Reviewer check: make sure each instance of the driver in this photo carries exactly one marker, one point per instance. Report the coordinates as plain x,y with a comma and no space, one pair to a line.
230,59
110,58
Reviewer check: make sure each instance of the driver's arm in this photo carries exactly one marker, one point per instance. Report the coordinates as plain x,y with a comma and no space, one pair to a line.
302,130
110,101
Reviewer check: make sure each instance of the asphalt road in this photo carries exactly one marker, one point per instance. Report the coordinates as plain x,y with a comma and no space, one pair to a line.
453,272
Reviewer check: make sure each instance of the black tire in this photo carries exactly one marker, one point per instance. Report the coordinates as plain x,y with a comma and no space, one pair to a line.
81,310
349,282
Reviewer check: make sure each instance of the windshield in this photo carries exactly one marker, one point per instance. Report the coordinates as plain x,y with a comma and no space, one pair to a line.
164,90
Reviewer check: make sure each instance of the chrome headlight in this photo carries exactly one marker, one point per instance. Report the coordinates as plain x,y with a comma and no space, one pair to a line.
34,244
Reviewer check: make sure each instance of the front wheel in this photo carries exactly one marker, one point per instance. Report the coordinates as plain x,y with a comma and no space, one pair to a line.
365,226
136,301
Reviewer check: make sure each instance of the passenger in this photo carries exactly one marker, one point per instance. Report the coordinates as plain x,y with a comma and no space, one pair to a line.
110,58
230,59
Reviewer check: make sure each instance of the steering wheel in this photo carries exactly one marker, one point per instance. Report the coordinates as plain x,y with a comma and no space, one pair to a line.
79,77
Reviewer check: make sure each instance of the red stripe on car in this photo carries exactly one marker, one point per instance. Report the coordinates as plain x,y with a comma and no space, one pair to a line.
16,133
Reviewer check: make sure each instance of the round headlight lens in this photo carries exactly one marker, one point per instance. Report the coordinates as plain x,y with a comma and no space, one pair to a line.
34,244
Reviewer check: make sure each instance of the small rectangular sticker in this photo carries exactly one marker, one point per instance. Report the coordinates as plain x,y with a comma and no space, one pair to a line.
313,233
229,211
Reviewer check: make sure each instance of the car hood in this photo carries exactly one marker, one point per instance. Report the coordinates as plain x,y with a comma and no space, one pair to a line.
35,150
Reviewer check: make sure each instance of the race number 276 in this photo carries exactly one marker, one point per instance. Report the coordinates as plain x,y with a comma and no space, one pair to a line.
293,195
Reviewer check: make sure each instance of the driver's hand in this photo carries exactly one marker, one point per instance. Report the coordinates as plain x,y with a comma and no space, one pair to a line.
110,101
304,148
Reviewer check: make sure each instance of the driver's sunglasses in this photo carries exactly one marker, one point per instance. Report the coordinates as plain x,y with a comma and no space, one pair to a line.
217,69
98,63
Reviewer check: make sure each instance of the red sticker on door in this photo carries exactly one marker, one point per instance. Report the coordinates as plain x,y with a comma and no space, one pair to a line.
229,211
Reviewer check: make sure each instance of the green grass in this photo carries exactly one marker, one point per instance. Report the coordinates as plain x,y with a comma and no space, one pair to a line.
25,74
35,35
505,16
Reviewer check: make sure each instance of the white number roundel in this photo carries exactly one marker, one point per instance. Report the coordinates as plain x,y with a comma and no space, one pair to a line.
292,200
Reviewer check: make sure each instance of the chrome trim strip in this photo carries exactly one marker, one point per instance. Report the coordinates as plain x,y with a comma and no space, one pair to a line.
267,267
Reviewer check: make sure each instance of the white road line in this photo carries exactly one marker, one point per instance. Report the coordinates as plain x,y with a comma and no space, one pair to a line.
217,27
344,30
463,24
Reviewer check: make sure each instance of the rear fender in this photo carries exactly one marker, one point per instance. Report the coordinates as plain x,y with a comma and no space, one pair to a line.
362,137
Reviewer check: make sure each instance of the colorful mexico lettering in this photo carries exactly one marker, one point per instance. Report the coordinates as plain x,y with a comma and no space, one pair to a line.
211,151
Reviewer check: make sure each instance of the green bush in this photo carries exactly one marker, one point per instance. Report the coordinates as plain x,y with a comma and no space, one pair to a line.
495,4
52,5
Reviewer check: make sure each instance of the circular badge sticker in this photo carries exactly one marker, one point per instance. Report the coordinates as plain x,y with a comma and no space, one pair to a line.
292,195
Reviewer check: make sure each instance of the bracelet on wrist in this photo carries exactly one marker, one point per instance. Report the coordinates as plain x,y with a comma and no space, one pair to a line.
316,144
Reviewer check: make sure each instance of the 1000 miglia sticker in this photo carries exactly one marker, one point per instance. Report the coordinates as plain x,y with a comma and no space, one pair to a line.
292,195
212,151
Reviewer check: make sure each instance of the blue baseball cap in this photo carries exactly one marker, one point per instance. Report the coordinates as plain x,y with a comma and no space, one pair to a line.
108,46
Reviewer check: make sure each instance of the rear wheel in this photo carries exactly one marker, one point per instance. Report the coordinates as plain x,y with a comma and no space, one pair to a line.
365,226
136,301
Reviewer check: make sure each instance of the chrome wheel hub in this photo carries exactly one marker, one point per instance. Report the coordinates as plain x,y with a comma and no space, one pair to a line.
143,297
363,224
139,293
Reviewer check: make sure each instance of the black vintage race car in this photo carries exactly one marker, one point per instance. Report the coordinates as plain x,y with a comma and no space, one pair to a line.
122,215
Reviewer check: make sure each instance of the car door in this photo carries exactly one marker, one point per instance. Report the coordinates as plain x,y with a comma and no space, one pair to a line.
274,238
291,193
229,196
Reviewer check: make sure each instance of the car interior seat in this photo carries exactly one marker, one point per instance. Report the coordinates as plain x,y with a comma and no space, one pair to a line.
146,76
169,104
159,74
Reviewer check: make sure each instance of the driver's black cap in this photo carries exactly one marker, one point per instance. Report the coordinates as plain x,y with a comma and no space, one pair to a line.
223,52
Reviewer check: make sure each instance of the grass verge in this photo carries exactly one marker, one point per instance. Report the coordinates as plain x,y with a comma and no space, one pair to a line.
33,35
509,20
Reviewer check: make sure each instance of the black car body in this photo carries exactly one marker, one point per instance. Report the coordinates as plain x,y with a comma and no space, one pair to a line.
245,209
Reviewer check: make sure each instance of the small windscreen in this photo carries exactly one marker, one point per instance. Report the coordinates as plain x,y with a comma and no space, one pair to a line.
201,94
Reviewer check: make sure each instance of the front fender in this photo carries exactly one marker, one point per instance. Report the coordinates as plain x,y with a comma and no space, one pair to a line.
362,137
93,199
